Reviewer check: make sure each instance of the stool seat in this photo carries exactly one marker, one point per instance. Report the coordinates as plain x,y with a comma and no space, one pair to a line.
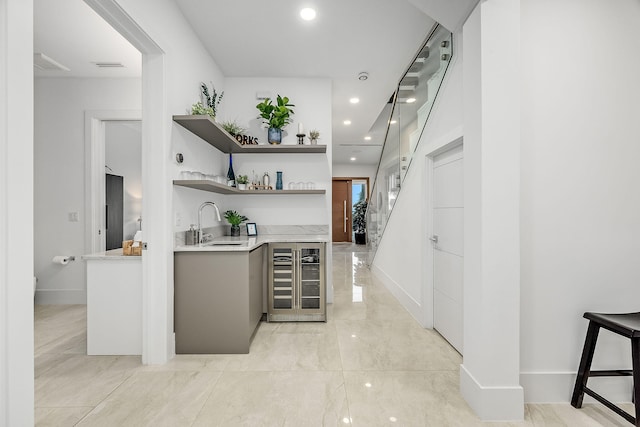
626,325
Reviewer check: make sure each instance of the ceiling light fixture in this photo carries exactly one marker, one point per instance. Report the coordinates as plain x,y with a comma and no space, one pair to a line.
410,100
363,76
347,122
367,138
308,14
354,100
353,159
393,122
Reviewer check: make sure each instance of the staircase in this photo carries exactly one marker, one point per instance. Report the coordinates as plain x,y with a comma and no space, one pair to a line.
412,104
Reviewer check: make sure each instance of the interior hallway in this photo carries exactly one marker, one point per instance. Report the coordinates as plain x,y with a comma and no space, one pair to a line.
371,364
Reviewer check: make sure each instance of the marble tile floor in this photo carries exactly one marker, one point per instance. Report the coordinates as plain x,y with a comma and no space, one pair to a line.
371,364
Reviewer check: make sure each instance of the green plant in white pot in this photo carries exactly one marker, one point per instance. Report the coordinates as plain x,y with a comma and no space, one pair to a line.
242,181
276,117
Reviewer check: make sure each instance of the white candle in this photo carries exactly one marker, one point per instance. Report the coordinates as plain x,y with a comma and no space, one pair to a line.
300,129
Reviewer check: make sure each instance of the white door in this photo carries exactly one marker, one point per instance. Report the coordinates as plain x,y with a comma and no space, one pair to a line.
447,240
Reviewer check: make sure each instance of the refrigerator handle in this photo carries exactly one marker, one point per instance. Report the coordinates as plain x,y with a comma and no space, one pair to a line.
294,280
299,286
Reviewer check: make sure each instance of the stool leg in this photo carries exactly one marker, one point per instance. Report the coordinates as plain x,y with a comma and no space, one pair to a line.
585,364
635,357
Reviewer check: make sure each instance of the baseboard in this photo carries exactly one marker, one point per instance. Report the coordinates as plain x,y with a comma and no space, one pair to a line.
408,302
492,403
61,296
557,387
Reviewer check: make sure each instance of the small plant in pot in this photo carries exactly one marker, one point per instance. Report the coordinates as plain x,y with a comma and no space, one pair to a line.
235,219
276,117
242,181
232,127
360,222
313,136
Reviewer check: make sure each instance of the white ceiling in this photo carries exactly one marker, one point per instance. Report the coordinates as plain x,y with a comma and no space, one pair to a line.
257,38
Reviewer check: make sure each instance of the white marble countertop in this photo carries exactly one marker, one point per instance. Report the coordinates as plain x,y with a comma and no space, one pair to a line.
244,243
113,254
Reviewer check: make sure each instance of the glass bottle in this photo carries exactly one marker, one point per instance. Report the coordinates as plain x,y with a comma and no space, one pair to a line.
278,180
231,177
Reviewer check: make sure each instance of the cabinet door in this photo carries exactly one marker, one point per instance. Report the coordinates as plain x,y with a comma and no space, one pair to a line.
311,278
282,278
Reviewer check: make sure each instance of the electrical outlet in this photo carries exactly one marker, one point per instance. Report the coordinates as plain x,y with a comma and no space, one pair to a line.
74,216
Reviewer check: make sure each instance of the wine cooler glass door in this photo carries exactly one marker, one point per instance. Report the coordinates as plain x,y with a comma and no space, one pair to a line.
311,296
282,295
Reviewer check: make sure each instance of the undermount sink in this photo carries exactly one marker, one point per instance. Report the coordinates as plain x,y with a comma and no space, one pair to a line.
225,243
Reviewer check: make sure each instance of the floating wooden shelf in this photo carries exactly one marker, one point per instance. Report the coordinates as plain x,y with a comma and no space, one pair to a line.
215,187
207,129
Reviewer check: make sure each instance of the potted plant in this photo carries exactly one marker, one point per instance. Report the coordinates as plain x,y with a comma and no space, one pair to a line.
313,136
235,219
360,222
275,117
232,127
242,181
210,102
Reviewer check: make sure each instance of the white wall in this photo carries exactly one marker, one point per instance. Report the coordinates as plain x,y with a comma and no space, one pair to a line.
59,139
312,99
16,213
123,154
580,203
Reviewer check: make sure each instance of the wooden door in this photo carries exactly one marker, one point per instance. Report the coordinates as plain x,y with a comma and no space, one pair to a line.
341,211
448,241
114,211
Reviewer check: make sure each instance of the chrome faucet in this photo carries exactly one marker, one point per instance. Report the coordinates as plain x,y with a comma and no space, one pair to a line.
202,206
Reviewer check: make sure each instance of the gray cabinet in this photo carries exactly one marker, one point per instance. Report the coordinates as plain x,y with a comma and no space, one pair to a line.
218,300
297,285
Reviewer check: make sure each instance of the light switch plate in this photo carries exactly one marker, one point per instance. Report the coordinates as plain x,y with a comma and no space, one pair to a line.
74,216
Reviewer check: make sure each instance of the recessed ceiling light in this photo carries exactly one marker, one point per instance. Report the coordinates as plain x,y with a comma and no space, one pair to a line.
353,159
367,138
410,100
363,76
347,122
354,100
308,14
393,122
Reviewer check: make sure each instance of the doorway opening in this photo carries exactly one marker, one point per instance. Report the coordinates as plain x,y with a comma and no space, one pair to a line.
347,193
113,145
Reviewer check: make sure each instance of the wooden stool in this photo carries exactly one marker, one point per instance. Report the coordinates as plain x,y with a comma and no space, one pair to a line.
627,325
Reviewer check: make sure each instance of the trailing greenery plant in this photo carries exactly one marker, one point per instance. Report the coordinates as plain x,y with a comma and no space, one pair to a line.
234,218
359,217
232,127
276,116
242,179
209,103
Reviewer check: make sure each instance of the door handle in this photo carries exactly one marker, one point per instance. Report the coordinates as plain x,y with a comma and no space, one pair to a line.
344,203
434,239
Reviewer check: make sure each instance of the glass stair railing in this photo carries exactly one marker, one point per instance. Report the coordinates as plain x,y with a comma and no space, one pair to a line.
411,107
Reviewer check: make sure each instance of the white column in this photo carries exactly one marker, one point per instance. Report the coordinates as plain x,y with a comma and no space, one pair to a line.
491,54
16,213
